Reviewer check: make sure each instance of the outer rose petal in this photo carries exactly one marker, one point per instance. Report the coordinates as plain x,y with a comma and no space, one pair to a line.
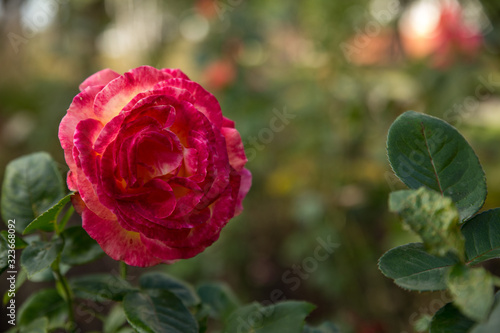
100,78
246,183
81,108
89,196
117,242
235,150
78,203
226,122
119,92
175,73
170,253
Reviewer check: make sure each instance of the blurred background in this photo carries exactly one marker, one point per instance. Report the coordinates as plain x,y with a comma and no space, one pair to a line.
313,87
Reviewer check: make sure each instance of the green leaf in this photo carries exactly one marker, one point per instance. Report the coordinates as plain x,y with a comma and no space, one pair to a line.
126,330
220,299
79,247
426,151
431,216
32,184
157,280
449,319
19,242
4,254
39,325
47,274
99,287
40,255
482,237
285,316
201,313
326,327
413,268
158,311
44,303
423,323
48,219
493,322
472,290
115,319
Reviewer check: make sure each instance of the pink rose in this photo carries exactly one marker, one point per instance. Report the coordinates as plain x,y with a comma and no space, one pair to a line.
158,170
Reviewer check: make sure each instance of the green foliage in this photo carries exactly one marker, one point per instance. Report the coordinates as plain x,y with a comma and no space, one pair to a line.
219,298
280,317
40,254
426,151
4,251
19,242
79,247
183,291
412,267
417,207
423,323
428,154
44,303
32,184
99,287
115,319
40,325
158,311
326,327
472,290
48,219
493,322
482,237
449,319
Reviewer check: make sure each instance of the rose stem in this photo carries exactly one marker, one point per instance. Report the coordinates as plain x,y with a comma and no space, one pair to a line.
123,270
66,217
67,292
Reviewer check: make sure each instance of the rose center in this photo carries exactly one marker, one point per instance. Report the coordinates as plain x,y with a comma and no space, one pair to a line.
157,155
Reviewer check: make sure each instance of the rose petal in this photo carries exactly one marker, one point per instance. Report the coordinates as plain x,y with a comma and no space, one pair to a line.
86,133
195,94
226,122
117,242
100,78
245,184
81,108
119,92
166,252
235,150
175,73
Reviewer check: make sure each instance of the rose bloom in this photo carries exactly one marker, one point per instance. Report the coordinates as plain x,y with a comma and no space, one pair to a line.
157,169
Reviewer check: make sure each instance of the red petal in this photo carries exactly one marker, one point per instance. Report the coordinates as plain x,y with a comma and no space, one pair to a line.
100,78
235,150
119,92
117,242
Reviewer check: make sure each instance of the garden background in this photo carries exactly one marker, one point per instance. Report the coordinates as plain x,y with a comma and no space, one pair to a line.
313,87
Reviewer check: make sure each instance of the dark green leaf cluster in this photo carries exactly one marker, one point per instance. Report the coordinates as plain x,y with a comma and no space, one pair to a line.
447,189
